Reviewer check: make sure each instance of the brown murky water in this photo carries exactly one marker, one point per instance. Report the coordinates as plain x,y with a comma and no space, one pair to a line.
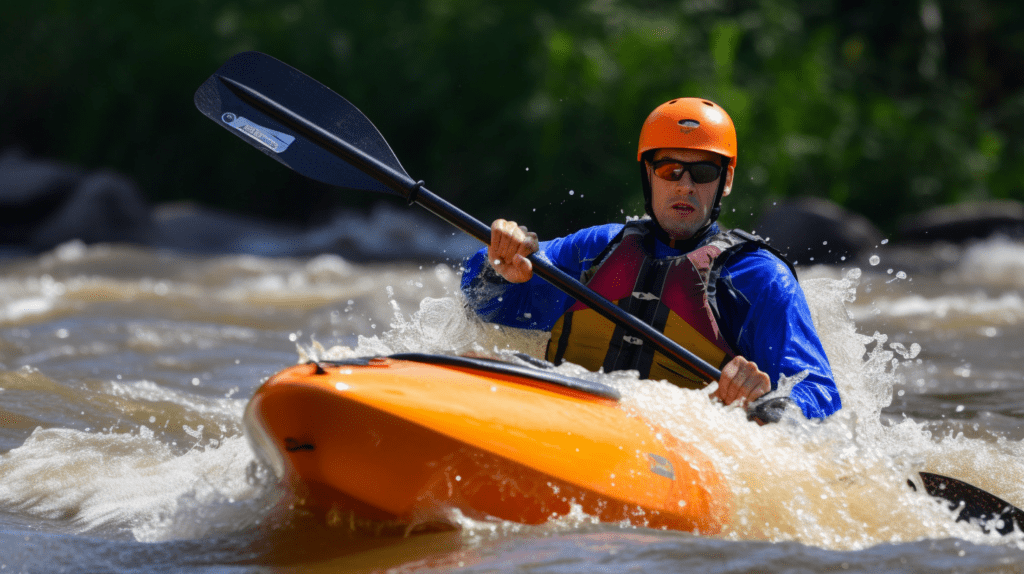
124,372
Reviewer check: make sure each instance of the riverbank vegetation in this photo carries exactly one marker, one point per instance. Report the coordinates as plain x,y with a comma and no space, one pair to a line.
531,109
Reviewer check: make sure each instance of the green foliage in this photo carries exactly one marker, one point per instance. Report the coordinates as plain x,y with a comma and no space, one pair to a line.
531,109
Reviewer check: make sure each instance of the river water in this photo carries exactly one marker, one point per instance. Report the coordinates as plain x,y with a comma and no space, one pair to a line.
124,373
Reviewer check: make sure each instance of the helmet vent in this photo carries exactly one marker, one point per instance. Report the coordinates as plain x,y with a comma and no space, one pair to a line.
707,103
688,125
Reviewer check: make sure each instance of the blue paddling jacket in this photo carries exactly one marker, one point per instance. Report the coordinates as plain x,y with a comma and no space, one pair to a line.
759,308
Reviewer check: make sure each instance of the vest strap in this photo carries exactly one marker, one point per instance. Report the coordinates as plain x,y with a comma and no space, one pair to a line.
675,295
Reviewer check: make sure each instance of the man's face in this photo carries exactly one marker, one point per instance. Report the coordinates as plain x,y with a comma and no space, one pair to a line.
681,207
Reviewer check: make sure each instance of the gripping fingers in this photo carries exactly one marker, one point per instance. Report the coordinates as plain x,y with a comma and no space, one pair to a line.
504,244
742,381
530,244
510,246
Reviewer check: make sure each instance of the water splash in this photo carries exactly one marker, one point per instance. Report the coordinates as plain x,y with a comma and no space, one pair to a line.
440,325
839,483
129,481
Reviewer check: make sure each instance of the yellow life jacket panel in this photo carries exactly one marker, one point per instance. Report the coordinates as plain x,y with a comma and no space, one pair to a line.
675,295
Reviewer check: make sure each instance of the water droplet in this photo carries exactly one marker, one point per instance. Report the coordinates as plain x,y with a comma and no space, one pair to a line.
874,260
572,192
884,241
195,381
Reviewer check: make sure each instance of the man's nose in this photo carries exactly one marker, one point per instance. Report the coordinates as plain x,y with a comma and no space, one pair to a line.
686,184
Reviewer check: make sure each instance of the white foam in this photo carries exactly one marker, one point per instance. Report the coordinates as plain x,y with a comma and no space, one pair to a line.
997,261
129,482
440,325
1004,309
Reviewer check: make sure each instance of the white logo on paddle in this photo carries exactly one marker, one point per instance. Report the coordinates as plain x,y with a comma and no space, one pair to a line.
273,140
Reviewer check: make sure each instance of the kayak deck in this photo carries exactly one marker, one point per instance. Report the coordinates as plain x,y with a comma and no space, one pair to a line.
405,438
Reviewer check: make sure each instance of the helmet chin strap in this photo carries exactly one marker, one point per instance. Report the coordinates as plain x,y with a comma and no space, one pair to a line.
716,210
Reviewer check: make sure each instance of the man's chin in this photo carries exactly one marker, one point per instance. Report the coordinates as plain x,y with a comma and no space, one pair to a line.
682,232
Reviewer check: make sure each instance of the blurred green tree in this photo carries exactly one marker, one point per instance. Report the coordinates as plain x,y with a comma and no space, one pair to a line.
531,109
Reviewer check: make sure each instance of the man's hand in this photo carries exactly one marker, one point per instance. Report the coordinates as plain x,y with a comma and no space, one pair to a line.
741,383
511,244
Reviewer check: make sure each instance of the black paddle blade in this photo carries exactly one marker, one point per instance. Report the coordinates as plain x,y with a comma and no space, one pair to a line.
974,503
299,122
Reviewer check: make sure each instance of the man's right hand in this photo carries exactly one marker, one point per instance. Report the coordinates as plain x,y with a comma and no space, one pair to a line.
510,246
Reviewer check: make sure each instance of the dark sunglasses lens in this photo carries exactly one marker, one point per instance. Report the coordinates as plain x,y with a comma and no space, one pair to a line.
701,172
704,172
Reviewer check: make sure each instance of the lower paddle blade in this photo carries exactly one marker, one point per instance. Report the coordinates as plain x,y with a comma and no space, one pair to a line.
299,122
974,503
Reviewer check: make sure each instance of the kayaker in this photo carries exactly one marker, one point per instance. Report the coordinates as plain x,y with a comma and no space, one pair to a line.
725,295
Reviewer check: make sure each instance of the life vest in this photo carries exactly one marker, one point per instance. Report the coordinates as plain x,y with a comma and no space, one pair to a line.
675,295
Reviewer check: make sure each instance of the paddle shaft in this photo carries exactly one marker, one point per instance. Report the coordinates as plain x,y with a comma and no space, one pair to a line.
414,192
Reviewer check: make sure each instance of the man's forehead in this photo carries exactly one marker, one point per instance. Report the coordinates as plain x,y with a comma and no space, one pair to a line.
685,154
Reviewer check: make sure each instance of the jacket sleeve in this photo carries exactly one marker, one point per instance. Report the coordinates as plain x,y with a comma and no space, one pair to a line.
535,304
764,311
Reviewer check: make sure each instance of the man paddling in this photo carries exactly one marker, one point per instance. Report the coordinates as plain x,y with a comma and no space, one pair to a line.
724,295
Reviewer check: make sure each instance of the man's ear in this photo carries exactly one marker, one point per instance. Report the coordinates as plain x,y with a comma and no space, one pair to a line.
728,180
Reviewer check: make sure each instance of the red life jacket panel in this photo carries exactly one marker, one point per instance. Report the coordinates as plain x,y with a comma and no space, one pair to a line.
670,294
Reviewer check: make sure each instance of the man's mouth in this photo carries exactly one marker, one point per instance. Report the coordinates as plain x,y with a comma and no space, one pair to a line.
683,207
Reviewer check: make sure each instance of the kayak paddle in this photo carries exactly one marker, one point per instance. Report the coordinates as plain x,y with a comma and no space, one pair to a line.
303,124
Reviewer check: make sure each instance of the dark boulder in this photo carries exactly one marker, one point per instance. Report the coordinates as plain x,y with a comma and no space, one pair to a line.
190,227
964,221
811,230
31,192
46,203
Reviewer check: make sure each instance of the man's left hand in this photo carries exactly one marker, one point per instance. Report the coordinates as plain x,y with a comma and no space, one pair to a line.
742,383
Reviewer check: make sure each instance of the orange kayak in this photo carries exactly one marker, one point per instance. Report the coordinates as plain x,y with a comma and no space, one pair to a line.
406,438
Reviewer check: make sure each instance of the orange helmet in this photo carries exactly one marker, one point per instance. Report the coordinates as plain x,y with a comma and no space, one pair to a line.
693,123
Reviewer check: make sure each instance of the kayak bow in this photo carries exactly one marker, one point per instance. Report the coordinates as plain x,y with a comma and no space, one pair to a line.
407,438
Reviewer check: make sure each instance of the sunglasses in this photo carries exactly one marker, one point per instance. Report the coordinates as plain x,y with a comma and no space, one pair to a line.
700,171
